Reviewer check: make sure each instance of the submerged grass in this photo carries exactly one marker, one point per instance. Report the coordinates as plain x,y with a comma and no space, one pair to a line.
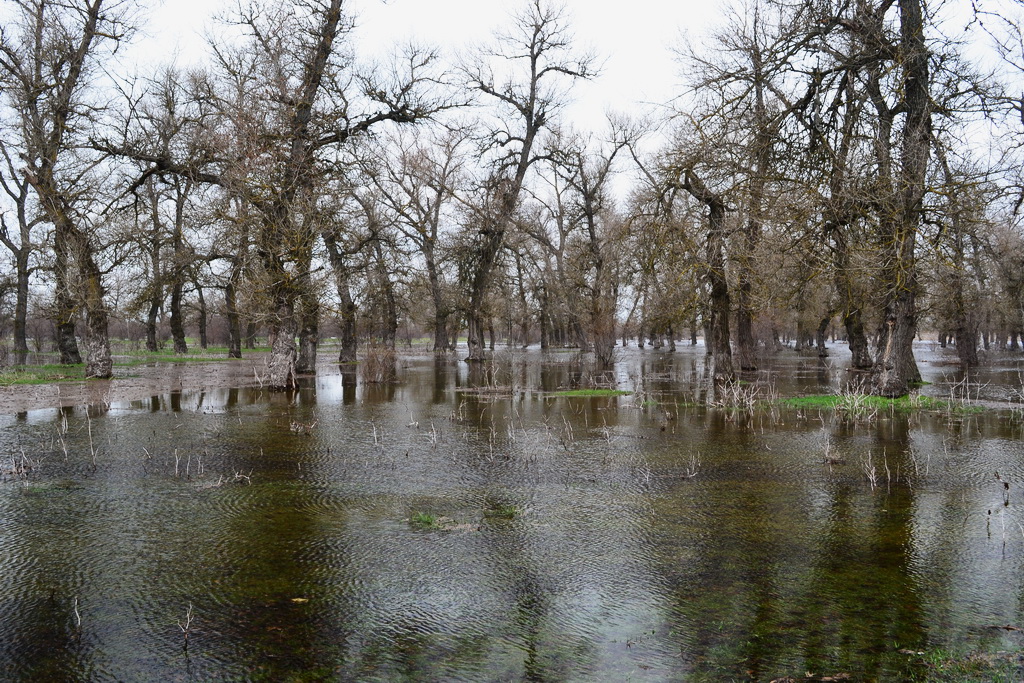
942,666
502,512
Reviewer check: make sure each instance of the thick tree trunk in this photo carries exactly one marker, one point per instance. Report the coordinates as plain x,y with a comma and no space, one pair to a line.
603,331
21,307
746,345
349,340
67,343
822,334
250,335
281,365
151,322
965,335
718,307
895,366
64,311
390,322
860,355
98,362
309,333
177,320
441,346
233,319
440,333
201,300
475,337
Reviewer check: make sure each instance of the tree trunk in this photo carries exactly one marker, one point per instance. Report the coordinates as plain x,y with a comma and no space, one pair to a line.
234,320
281,366
151,323
764,138
822,334
64,309
860,356
21,307
475,337
177,321
746,345
390,322
965,336
895,367
349,340
203,341
309,332
98,362
440,308
718,308
603,331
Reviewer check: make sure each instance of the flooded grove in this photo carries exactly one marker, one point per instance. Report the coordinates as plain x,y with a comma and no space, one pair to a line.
460,525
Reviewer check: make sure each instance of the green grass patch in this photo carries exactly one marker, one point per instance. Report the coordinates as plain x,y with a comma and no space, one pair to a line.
41,374
814,402
592,392
502,512
870,403
941,666
424,520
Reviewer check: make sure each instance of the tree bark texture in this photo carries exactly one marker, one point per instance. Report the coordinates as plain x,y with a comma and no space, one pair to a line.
896,368
718,306
233,319
309,334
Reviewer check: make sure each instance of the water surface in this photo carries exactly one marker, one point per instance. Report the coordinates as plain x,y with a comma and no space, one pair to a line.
634,537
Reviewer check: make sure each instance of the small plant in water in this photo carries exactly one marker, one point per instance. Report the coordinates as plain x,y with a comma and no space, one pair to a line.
424,520
693,467
830,457
186,627
502,511
870,472
592,392
856,406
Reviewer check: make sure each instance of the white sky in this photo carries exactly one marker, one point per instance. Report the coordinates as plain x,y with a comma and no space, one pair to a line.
634,39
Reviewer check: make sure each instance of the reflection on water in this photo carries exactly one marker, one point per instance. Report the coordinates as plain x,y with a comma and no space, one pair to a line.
606,538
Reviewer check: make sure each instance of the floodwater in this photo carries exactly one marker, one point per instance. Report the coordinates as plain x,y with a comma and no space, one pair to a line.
236,534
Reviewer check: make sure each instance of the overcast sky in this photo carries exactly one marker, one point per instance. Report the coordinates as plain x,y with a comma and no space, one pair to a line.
635,42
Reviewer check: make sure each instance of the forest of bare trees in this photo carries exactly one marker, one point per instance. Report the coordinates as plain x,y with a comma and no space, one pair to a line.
838,167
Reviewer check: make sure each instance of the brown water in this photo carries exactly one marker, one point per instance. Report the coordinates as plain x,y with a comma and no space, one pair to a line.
582,539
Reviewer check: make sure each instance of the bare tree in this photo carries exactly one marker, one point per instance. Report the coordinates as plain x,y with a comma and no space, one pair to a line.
587,169
292,100
532,62
17,236
418,183
48,54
